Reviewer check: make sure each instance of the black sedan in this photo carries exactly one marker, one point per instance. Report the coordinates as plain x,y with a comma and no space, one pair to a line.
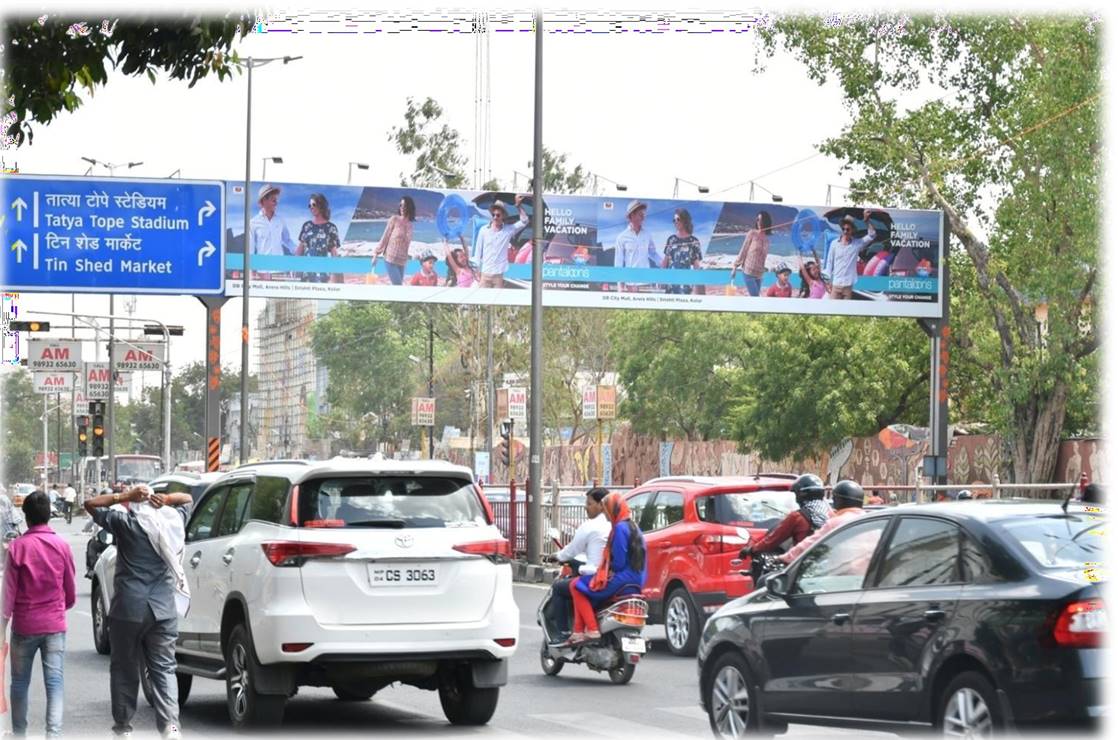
969,617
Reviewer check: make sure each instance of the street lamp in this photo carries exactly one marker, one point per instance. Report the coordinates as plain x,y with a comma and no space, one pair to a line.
110,167
776,198
177,173
246,276
266,160
521,174
675,191
840,187
619,186
358,165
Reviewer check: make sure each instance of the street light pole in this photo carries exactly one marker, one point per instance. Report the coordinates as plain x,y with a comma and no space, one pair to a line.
431,377
675,191
358,165
532,531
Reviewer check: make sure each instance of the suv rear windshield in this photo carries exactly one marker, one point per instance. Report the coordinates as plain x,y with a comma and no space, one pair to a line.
1059,541
393,502
759,509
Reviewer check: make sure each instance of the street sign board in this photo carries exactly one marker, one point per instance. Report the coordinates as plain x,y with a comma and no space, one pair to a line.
607,402
423,412
54,355
140,356
607,465
590,404
97,381
53,382
81,402
502,403
518,404
112,235
481,466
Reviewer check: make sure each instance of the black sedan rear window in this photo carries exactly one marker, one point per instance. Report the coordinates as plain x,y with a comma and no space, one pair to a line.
1059,541
389,502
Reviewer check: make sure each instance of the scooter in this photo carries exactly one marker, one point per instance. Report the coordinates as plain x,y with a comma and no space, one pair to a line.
619,649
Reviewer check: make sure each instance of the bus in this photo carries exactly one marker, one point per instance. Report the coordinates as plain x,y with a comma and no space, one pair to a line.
130,468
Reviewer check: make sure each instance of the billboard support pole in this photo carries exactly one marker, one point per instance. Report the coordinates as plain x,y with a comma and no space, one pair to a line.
212,431
110,431
939,332
535,442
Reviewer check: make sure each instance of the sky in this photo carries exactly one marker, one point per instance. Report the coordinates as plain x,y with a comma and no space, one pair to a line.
642,109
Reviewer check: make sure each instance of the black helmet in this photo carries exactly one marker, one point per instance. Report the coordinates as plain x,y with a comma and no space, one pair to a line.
808,487
964,495
848,493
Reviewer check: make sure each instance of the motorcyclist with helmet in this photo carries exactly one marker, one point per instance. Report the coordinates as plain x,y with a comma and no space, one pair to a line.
813,513
847,497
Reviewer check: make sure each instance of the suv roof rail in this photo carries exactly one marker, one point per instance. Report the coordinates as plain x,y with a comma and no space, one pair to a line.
273,462
789,476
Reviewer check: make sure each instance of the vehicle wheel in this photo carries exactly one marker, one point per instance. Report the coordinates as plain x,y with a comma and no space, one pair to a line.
623,673
185,681
551,666
353,693
247,708
681,623
100,624
463,703
731,706
968,708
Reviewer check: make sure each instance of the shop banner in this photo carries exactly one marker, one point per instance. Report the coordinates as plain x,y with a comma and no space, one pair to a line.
447,246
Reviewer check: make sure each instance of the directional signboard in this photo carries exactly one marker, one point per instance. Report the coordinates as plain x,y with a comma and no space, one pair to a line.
112,235
53,382
54,355
97,381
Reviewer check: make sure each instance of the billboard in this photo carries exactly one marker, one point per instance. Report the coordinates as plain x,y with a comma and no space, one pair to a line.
447,246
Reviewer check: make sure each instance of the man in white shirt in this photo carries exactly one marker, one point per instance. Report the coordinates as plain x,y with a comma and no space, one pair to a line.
268,232
634,246
69,496
589,540
492,249
841,263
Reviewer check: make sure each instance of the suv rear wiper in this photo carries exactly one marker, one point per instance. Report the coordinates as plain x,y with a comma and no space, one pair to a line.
386,523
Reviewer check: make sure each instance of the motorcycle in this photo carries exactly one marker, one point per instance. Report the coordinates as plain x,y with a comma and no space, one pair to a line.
621,622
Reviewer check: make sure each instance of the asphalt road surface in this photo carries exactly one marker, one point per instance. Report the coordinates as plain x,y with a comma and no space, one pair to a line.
661,701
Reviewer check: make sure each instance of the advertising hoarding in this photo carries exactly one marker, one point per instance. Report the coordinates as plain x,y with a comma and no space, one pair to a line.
431,245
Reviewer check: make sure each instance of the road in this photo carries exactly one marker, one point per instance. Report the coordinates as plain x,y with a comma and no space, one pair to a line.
662,700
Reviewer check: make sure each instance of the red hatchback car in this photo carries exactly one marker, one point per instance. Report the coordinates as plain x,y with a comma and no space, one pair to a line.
694,528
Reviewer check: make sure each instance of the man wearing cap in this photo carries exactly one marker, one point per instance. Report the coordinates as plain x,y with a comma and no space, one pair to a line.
492,249
634,246
426,277
841,262
269,234
781,288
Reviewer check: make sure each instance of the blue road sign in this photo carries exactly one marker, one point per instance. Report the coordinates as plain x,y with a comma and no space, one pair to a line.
112,235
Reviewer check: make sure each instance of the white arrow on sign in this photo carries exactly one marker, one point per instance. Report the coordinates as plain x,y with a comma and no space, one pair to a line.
19,248
19,204
203,212
206,251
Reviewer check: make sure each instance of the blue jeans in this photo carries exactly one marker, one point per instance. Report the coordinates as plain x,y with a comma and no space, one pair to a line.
395,273
23,649
753,285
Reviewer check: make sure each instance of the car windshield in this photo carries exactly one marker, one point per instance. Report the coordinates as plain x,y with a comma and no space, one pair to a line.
761,509
137,468
1059,541
390,502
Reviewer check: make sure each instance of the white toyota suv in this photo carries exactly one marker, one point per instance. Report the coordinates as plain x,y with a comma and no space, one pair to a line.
352,574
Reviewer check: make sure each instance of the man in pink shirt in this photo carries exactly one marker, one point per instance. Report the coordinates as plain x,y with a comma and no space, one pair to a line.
848,498
38,589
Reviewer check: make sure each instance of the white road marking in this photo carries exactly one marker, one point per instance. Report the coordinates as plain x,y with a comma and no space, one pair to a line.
594,723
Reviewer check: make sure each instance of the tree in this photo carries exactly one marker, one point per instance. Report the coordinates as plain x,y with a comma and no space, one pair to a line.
50,58
1007,146
438,163
23,434
801,385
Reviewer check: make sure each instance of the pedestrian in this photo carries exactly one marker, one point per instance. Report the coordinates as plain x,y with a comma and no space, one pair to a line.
143,615
55,497
492,248
841,262
38,589
635,247
69,496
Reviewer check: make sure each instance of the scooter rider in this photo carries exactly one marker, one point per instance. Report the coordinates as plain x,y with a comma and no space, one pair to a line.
589,540
813,513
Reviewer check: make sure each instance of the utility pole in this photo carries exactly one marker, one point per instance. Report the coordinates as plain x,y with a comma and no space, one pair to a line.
536,421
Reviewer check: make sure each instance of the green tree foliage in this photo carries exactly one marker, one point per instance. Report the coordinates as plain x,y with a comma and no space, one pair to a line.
995,121
437,148
48,62
23,431
800,385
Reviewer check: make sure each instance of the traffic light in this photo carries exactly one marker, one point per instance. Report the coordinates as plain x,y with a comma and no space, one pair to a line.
505,446
29,325
98,435
83,437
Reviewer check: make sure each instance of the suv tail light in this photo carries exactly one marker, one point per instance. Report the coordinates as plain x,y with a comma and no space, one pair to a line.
294,554
715,544
1081,624
497,551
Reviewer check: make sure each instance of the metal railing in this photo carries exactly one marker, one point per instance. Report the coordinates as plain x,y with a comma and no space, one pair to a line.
566,517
